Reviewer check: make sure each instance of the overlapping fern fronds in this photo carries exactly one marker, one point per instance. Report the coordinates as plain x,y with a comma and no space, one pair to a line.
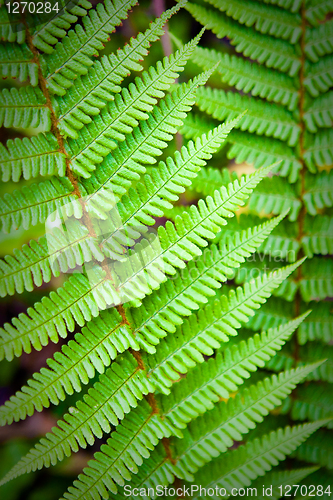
160,361
287,89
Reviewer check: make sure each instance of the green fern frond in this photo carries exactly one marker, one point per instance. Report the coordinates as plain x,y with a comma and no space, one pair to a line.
73,55
163,187
24,107
35,263
319,113
318,191
271,315
121,456
275,195
260,117
104,405
292,5
274,53
204,332
318,448
11,31
319,76
318,235
220,376
94,90
263,151
46,34
194,126
93,349
317,10
273,21
218,320
33,204
32,157
319,150
76,302
155,470
249,77
98,138
319,326
312,402
183,240
16,61
209,179
255,458
317,279
283,478
319,41
212,434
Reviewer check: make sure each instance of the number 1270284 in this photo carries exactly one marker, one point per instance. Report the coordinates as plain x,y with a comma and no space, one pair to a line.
32,7
304,490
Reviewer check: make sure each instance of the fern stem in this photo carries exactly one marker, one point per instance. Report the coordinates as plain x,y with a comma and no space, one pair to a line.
302,172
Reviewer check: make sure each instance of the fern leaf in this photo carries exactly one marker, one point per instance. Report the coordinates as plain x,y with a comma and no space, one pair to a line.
157,193
16,61
94,90
77,301
37,262
220,376
261,118
317,279
152,321
183,240
93,349
271,315
13,30
104,405
213,433
119,118
255,458
292,5
194,126
46,34
270,20
249,77
275,195
24,107
313,351
281,243
155,470
205,332
319,150
316,10
318,191
318,235
319,113
319,41
283,478
319,76
209,179
319,325
35,203
121,456
31,157
263,151
312,402
274,53
318,449
73,55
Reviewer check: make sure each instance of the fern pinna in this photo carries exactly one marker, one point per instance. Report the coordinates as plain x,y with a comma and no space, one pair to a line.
279,67
163,369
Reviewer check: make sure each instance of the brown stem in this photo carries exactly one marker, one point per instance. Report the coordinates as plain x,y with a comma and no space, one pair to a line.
302,172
